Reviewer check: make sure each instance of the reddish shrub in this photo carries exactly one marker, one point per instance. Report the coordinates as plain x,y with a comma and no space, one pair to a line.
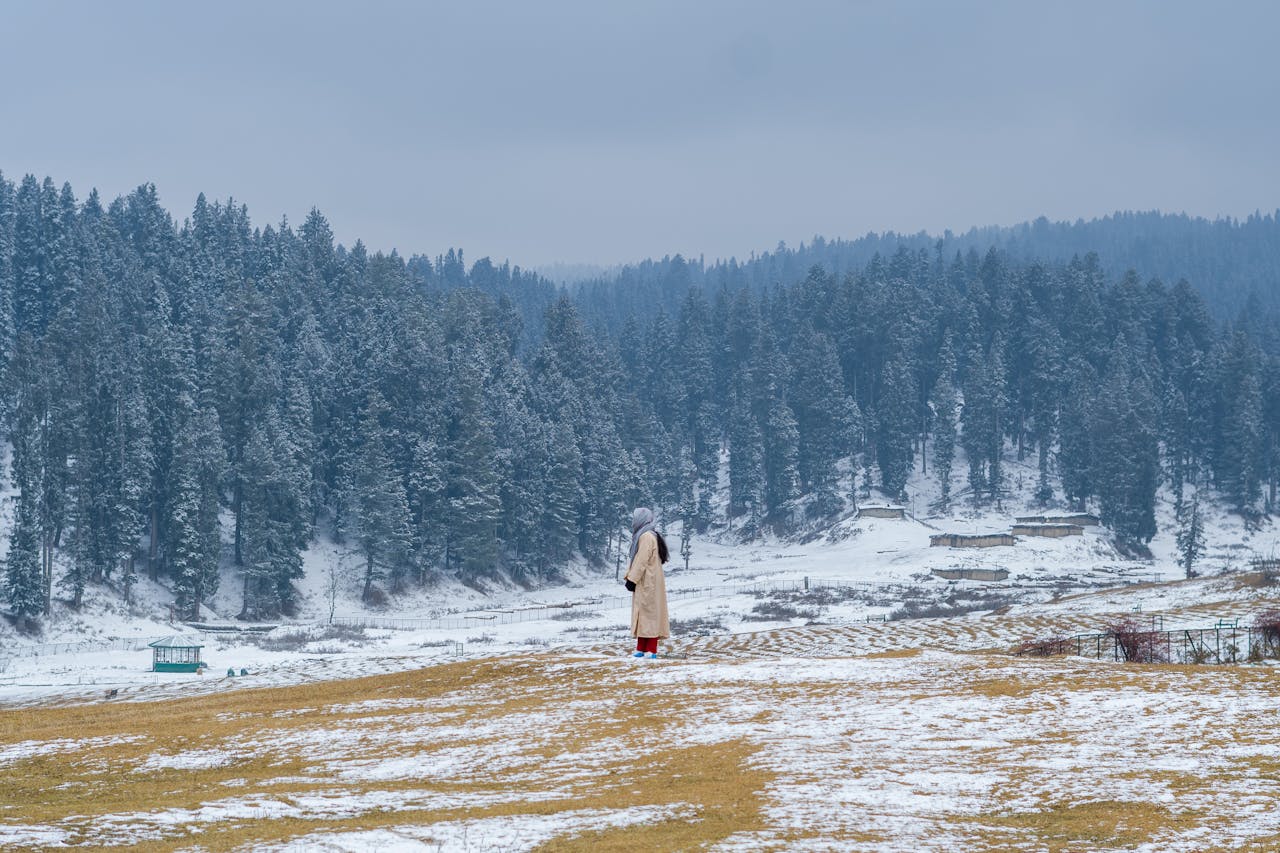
1046,646
1137,642
1267,623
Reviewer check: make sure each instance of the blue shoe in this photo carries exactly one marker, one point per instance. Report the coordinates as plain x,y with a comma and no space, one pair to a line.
653,655
638,655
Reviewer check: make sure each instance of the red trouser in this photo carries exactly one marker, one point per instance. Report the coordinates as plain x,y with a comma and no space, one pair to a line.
647,644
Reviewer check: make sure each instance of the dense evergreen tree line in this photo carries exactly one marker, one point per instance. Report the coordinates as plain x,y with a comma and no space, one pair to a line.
185,397
1230,262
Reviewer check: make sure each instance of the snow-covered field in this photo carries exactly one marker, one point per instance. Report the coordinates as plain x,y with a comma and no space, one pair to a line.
796,743
730,587
785,717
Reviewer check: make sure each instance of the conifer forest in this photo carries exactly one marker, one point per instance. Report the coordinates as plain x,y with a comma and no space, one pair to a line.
187,393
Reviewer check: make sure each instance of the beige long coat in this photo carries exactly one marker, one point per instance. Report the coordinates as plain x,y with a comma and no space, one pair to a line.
649,601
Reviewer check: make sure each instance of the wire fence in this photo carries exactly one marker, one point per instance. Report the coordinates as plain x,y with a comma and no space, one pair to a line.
606,603
1219,645
83,647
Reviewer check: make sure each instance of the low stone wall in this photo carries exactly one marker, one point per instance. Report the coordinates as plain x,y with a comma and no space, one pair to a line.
971,540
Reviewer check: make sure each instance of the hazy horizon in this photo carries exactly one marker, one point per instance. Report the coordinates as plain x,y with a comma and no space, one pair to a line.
578,134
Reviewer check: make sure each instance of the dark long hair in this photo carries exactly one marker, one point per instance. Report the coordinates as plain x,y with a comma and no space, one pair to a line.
663,554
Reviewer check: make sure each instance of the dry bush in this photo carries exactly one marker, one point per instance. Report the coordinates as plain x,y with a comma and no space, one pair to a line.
291,640
1136,641
1046,647
1267,623
958,603
26,626
697,626
819,596
776,611
575,615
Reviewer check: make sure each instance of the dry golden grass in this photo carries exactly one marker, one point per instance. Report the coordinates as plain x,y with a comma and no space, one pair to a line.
1106,824
604,735
88,784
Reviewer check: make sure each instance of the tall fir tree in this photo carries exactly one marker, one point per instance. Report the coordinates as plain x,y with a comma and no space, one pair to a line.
382,524
945,407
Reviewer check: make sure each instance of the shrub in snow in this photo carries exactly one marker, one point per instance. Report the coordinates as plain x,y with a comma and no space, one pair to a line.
776,611
1267,623
697,626
1047,646
1137,642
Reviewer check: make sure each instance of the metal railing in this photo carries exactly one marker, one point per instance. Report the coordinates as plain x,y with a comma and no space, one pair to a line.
1225,644
82,647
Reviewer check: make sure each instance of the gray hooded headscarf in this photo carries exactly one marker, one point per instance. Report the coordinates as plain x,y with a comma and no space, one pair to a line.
642,521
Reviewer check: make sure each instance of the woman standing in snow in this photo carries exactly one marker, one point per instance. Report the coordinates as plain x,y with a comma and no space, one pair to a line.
647,585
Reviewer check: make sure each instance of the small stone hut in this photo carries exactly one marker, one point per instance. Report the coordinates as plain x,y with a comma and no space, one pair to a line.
971,540
882,512
1053,531
972,574
1082,519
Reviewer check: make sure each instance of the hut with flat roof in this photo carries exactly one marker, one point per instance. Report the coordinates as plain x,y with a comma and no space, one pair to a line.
972,574
971,540
1053,531
1083,519
875,511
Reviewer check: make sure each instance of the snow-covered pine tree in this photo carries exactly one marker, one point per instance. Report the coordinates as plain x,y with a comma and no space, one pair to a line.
781,452
945,409
7,327
195,543
1127,464
1190,539
274,523
472,491
1045,396
746,462
1076,434
30,258
24,587
25,581
1238,455
382,508
694,377
556,530
426,504
895,428
823,414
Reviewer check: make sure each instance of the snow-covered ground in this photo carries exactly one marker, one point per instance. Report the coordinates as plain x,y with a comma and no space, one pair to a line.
932,750
729,587
847,730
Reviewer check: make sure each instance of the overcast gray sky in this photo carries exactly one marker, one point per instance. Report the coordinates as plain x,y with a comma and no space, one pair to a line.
610,131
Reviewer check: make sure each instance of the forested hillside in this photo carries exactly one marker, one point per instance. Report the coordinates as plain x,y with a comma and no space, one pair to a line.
185,396
1231,263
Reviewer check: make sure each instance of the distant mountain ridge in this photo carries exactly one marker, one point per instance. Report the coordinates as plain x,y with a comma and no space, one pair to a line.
1227,260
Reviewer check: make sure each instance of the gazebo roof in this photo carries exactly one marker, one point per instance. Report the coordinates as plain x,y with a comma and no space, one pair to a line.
177,642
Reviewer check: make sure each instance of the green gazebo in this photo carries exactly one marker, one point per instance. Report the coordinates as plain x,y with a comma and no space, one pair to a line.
176,654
